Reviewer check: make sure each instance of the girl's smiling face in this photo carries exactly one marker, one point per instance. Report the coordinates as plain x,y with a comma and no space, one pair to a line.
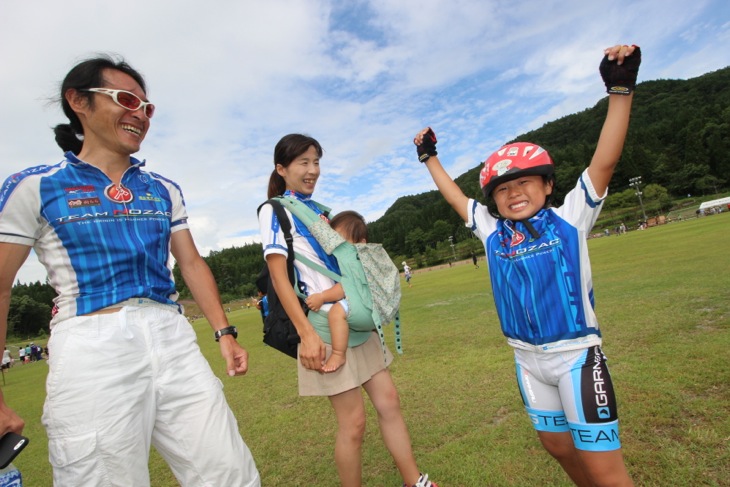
302,174
522,197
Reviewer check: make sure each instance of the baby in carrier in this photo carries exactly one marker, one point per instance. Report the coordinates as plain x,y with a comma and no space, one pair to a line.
351,226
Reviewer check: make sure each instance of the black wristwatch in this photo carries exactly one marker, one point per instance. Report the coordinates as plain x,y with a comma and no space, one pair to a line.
229,330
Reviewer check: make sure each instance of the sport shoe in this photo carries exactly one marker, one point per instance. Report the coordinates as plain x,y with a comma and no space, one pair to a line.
423,482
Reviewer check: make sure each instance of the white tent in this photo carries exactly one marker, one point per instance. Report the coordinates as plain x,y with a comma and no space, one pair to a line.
710,204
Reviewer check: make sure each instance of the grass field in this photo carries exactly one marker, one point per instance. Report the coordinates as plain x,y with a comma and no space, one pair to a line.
663,300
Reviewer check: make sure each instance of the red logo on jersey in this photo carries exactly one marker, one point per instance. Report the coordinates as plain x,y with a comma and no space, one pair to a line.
118,194
83,202
517,238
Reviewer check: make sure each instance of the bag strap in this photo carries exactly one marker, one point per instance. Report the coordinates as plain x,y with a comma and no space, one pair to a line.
396,330
308,217
303,212
285,224
318,268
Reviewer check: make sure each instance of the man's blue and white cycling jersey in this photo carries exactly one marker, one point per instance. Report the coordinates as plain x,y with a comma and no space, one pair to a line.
542,287
100,243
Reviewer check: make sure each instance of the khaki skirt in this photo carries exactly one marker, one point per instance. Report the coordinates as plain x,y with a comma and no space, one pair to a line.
362,363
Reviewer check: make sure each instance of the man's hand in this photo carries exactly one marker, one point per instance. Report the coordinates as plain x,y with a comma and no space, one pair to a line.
9,420
235,355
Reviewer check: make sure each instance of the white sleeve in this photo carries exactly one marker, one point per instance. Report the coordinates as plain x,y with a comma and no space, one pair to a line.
20,219
272,236
179,219
582,204
479,220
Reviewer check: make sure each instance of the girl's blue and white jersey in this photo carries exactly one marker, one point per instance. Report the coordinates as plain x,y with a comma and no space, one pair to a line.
100,243
542,287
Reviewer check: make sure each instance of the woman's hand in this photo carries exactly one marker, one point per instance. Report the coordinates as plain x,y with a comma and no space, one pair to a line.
311,347
312,351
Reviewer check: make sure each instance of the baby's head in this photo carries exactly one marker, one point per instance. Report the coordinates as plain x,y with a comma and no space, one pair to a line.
519,178
351,226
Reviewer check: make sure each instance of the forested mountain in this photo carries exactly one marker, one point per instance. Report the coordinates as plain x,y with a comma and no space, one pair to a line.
234,269
30,309
678,143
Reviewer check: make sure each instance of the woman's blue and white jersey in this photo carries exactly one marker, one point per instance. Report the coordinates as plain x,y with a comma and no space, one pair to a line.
304,243
542,287
100,243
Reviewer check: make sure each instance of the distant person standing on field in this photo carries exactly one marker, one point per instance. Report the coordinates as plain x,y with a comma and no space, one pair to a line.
406,272
7,359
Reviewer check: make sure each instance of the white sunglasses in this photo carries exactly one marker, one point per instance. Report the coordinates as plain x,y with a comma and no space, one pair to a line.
126,99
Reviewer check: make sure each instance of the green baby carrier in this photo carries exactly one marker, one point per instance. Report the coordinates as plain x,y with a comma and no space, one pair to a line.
369,278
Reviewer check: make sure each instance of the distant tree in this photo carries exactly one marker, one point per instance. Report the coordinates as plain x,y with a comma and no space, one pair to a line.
662,172
27,317
432,257
688,179
440,231
656,198
234,270
40,292
716,138
708,184
416,241
622,199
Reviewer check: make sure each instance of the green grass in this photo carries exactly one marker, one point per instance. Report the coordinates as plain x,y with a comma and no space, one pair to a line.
663,301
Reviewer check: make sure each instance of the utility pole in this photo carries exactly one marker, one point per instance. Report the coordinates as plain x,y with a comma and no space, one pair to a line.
453,251
636,184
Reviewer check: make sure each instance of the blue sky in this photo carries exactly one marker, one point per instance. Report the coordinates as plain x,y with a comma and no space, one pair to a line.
230,77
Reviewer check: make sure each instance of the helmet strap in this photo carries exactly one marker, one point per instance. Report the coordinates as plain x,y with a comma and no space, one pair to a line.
530,228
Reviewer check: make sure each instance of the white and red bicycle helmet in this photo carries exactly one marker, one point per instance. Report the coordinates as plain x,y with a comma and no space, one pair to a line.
513,161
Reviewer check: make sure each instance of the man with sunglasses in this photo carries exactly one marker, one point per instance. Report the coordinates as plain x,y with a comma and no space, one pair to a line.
125,371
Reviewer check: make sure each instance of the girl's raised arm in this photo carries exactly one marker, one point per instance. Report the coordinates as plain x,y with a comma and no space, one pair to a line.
425,142
619,69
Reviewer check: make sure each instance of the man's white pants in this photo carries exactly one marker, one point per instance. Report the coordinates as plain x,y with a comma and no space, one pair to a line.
123,381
